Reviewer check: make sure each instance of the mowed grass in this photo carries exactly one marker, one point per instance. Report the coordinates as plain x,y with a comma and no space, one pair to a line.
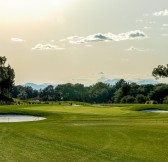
119,133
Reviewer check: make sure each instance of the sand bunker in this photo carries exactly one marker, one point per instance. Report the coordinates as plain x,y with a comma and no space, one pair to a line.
155,111
10,118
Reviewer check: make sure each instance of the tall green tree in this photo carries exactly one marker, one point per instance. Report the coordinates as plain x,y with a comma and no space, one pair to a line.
159,93
121,92
7,76
47,94
160,72
99,93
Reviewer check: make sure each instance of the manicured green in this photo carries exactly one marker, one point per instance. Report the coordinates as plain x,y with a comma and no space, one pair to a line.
92,133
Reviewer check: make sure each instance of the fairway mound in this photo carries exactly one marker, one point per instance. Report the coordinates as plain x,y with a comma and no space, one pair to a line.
155,111
12,118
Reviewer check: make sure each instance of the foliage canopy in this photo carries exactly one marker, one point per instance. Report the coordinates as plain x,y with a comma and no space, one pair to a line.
7,76
160,72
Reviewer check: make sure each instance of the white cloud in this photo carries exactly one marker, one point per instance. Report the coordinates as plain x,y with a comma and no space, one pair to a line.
100,37
17,40
165,25
136,49
41,46
161,13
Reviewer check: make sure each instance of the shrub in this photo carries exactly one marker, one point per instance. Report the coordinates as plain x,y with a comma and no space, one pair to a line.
151,102
165,101
128,99
140,98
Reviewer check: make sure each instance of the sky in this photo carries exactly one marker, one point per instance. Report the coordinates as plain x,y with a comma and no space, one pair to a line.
83,41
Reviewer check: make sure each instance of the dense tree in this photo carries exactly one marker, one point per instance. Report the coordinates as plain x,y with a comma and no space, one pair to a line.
128,99
140,99
16,90
120,83
159,93
66,92
134,89
22,95
121,92
70,92
47,94
165,101
145,89
99,93
160,72
7,76
80,92
24,92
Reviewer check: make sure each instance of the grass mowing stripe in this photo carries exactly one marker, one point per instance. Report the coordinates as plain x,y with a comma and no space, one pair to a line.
86,133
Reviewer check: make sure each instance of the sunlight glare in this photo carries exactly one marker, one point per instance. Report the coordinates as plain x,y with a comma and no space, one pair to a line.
19,9
28,5
56,3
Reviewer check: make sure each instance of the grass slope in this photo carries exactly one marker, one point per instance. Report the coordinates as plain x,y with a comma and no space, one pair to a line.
119,133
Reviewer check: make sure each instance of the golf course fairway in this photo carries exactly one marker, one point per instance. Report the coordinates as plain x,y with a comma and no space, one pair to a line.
93,133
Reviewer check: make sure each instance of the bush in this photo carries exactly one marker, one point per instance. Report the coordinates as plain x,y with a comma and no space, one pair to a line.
165,101
128,99
5,98
140,98
151,102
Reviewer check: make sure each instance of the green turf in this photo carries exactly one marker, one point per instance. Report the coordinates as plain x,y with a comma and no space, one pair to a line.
119,133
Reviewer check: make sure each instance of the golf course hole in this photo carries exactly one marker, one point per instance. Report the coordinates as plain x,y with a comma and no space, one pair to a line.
155,111
12,118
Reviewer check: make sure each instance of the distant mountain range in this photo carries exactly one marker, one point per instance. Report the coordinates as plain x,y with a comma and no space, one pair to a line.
147,81
108,81
139,82
38,86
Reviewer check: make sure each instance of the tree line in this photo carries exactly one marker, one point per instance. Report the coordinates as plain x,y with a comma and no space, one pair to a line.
121,92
